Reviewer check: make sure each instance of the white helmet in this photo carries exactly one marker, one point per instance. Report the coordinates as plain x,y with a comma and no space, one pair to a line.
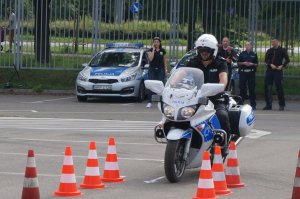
207,42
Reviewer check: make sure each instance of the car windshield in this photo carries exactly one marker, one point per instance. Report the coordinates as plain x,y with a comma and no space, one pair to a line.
186,58
116,59
187,78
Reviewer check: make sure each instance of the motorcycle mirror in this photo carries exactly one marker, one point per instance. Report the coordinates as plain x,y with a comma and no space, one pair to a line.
155,86
211,89
203,100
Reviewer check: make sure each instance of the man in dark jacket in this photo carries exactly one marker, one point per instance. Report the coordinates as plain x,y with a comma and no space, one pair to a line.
274,61
228,53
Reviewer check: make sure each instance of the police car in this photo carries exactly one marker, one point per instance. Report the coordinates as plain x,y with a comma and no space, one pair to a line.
117,71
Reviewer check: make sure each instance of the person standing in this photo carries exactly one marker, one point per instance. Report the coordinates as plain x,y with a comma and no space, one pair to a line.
11,27
247,62
158,64
228,53
276,59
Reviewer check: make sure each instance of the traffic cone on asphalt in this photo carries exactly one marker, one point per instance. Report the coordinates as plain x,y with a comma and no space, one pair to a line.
296,189
67,185
111,168
31,185
218,174
232,171
206,188
92,178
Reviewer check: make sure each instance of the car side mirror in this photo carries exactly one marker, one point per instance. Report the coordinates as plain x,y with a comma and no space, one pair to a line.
172,64
84,65
203,100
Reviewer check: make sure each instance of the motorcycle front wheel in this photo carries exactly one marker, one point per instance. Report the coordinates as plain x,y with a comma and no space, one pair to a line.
174,162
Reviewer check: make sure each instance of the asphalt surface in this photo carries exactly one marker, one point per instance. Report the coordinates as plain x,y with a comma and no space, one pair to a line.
48,123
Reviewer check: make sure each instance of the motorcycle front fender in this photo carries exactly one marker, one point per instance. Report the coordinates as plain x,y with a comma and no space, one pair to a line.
176,134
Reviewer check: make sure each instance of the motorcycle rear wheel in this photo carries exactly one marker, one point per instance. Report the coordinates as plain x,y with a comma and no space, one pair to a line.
174,162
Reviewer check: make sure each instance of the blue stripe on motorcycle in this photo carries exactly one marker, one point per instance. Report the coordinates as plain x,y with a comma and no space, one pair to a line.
187,134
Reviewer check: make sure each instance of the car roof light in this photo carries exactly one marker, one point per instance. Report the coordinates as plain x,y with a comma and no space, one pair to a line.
124,45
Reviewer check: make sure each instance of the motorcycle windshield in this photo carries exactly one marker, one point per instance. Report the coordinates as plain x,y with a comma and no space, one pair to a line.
186,78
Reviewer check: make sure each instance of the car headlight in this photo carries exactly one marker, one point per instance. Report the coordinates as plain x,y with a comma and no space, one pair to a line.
169,111
81,77
187,112
129,78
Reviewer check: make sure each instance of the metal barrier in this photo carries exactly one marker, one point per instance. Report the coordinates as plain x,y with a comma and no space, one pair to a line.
80,28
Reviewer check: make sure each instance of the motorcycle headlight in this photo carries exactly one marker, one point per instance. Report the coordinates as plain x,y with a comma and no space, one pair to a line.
169,111
129,78
188,112
81,77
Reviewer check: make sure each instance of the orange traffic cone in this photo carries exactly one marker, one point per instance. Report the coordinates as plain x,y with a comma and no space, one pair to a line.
218,174
296,189
111,168
31,185
68,186
206,188
92,178
232,172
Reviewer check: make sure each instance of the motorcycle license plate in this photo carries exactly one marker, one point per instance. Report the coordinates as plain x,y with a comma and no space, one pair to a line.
103,87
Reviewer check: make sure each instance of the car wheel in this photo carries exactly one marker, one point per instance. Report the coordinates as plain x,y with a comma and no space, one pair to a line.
81,98
141,94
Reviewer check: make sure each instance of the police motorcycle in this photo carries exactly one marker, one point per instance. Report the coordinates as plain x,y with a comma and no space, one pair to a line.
189,122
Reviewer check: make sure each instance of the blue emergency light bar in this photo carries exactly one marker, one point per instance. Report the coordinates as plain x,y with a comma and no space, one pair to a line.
124,45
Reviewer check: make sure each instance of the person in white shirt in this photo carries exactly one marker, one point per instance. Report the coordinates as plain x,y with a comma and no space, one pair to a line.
11,27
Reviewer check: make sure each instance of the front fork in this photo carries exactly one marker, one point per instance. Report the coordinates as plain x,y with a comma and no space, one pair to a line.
187,148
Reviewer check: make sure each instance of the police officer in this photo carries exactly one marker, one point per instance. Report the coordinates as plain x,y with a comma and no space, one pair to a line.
274,61
228,53
215,71
158,64
247,62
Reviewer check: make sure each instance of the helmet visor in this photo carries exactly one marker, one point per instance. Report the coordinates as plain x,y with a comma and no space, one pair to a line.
202,49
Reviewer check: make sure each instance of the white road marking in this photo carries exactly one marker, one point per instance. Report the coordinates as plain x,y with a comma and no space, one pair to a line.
79,156
83,141
255,134
49,100
39,174
33,111
154,180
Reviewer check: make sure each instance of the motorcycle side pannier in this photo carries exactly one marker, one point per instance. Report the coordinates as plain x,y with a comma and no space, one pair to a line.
241,119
